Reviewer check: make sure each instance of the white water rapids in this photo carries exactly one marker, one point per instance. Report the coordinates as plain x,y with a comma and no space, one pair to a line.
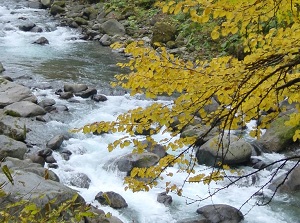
90,156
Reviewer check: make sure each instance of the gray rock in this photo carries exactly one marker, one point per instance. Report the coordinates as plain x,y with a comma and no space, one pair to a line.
35,158
26,26
13,127
163,32
56,9
99,97
46,3
37,29
290,185
113,27
45,152
195,220
234,151
1,68
156,149
55,142
47,103
105,40
24,109
127,162
75,88
66,95
221,213
11,148
164,198
28,166
87,93
41,41
278,137
11,92
112,199
29,186
80,180
50,159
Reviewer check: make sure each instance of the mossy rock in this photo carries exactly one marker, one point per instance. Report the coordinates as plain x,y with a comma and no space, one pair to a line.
59,3
80,21
279,137
163,32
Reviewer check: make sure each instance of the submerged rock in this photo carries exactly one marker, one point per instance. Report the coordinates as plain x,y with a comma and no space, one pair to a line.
41,41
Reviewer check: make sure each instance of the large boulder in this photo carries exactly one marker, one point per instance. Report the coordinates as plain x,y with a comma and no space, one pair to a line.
221,213
231,150
13,127
24,109
127,162
278,137
112,27
112,199
80,180
11,148
11,92
287,185
163,32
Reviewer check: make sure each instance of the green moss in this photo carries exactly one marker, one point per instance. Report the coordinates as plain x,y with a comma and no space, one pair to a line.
12,113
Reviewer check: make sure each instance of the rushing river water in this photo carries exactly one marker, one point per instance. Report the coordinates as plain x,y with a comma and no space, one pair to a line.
69,59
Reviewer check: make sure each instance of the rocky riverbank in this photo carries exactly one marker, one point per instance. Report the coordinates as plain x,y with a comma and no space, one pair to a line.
24,153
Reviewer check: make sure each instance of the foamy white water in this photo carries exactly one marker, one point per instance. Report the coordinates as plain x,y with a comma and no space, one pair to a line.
90,155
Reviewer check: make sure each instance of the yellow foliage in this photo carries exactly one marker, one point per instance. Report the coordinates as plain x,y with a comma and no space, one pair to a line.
245,88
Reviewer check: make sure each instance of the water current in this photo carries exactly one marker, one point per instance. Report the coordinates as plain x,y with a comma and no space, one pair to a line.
69,59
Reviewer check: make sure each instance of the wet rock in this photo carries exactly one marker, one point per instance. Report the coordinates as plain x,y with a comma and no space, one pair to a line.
55,142
47,103
66,154
45,152
11,148
164,198
99,97
75,88
11,92
156,149
24,109
80,180
221,213
195,220
1,68
287,185
113,27
53,165
105,40
46,3
87,93
66,95
112,199
61,108
234,151
26,26
50,159
41,41
256,163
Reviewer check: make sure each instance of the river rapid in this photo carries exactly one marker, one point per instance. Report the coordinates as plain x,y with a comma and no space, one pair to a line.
67,59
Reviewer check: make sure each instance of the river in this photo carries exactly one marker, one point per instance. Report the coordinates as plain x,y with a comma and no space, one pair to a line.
69,59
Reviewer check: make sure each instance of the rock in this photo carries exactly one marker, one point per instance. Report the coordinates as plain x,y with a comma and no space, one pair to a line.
24,109
28,166
12,127
163,32
75,88
87,93
156,149
256,163
11,148
45,152
36,29
11,92
80,21
34,4
41,41
221,213
66,154
31,187
66,95
127,162
53,165
50,159
46,3
113,27
199,131
35,158
80,180
47,103
195,220
99,97
112,199
61,108
55,142
1,68
291,184
59,3
26,26
237,152
164,198
105,40
278,137
56,9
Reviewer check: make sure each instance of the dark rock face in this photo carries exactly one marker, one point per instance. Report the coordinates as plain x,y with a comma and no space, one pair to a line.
99,97
87,93
164,198
41,41
112,199
221,213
